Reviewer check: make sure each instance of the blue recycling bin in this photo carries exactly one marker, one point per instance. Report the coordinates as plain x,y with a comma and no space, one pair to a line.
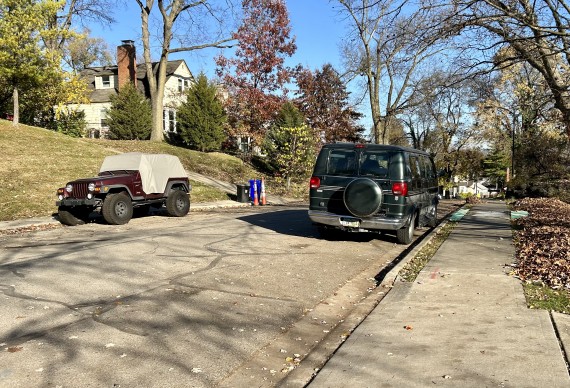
252,188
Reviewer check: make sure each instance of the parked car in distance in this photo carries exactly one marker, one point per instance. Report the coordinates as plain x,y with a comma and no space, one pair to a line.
373,188
127,183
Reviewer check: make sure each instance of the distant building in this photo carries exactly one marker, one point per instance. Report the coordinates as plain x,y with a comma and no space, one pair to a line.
106,81
470,187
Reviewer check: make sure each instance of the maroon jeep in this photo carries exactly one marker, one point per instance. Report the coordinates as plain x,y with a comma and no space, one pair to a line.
127,183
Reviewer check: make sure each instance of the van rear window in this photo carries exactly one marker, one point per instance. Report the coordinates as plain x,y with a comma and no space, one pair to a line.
375,164
341,162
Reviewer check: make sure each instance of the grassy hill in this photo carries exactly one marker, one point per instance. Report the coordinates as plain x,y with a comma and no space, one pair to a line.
36,161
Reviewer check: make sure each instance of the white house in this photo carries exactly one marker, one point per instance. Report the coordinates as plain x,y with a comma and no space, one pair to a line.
470,187
106,81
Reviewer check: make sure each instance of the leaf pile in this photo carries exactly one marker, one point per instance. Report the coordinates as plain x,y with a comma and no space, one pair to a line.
543,242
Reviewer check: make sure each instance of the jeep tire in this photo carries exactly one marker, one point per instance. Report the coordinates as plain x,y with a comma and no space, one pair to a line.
73,216
117,208
178,203
405,235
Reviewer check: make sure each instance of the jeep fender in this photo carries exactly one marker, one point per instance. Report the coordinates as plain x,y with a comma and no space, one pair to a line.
176,185
119,188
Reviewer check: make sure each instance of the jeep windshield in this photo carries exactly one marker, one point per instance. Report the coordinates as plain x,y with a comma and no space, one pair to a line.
117,172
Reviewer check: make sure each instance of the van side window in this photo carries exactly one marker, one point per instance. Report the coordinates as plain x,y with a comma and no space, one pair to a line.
416,172
415,167
342,162
428,167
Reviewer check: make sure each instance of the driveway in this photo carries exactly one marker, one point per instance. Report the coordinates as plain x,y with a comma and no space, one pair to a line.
194,301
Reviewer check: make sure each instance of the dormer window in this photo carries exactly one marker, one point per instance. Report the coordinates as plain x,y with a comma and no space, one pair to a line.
104,82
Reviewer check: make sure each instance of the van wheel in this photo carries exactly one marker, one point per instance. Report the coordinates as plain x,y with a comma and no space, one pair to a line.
406,234
433,221
363,197
117,208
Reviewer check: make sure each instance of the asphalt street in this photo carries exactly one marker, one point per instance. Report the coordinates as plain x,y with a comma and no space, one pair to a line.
214,298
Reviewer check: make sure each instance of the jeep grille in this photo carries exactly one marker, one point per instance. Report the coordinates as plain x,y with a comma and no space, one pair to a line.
79,190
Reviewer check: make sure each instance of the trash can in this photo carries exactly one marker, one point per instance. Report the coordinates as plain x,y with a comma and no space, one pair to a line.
242,193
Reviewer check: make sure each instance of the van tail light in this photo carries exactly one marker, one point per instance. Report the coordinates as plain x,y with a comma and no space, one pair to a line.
315,182
400,188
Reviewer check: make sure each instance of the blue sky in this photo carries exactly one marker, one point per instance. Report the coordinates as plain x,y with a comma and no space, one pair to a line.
315,24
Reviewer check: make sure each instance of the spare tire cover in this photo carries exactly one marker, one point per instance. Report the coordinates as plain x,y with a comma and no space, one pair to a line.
363,197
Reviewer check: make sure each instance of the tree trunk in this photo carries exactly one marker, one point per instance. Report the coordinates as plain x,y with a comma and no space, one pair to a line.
16,117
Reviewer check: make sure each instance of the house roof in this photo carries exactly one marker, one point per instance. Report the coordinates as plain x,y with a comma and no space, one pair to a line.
104,95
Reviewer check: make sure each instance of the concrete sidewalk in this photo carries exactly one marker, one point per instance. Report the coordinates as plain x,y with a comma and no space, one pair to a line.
463,322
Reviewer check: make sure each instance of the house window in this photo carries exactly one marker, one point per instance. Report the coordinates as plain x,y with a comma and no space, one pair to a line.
106,81
180,84
104,119
186,84
169,120
244,144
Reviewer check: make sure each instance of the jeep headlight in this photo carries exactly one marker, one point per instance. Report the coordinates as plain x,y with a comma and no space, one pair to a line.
69,188
91,186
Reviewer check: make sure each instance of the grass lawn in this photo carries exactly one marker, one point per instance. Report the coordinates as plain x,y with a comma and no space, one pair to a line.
36,161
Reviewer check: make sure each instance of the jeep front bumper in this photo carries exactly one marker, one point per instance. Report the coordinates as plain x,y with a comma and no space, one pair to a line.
77,202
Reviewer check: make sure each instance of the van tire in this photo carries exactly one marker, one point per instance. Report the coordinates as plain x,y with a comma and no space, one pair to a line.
405,235
363,197
433,221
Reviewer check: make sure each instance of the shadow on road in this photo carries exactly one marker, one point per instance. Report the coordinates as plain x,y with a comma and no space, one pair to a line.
296,222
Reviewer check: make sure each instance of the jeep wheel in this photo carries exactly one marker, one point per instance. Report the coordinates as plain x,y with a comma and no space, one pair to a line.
178,204
405,235
363,197
73,216
117,209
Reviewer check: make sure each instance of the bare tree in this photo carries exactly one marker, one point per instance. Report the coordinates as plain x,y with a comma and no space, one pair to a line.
183,22
77,12
387,45
537,31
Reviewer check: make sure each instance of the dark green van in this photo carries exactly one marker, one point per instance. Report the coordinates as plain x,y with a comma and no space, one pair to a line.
373,188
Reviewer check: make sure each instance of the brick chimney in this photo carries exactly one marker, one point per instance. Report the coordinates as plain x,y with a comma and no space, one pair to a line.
127,63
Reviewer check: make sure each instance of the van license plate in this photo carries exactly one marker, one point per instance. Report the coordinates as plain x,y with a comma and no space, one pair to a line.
350,224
